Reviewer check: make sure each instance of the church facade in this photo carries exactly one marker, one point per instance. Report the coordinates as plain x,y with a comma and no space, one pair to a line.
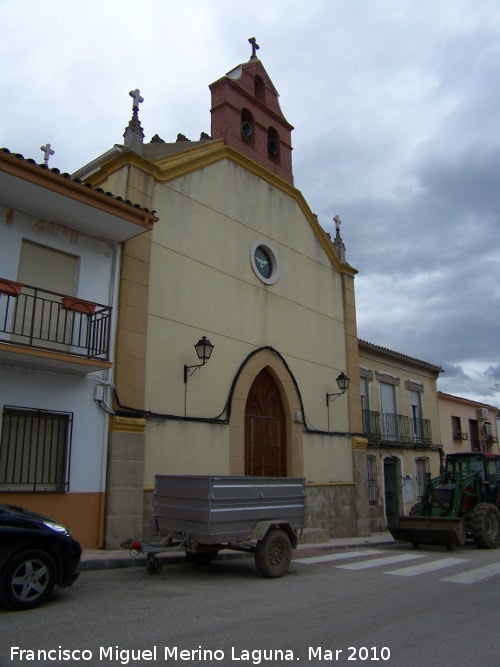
238,263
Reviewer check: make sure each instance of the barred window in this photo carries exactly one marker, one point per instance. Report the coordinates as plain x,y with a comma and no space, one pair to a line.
372,479
35,450
422,468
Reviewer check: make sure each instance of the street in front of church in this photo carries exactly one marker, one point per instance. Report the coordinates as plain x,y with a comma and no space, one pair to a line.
379,604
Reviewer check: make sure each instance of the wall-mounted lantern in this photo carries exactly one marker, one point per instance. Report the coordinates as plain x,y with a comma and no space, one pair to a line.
204,349
343,383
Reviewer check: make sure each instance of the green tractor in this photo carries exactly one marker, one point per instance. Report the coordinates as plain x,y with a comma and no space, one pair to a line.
463,501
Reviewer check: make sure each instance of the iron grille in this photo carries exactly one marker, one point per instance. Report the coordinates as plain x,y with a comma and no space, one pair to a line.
422,470
372,479
35,450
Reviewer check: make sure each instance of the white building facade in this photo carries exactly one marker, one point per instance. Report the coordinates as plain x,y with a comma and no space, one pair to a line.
60,260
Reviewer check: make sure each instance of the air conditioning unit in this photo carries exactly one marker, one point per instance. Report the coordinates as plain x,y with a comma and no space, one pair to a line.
483,413
487,428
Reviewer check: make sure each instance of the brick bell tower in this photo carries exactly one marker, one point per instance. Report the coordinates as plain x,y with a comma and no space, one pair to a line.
247,115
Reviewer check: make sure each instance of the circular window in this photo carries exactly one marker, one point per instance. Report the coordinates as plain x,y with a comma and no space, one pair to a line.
264,262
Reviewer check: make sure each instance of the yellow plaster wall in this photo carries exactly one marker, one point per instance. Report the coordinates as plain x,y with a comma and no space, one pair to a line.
404,370
202,283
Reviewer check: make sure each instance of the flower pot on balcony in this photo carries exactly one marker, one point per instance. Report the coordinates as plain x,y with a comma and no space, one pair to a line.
78,305
9,287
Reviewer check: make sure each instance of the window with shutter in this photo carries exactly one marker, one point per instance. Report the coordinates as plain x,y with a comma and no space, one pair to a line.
39,319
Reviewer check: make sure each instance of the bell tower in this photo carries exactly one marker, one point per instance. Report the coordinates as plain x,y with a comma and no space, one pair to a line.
247,115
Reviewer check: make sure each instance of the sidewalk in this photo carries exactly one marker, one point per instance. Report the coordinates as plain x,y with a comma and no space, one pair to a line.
99,559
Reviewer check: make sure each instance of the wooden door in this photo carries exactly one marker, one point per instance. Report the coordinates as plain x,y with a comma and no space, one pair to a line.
265,429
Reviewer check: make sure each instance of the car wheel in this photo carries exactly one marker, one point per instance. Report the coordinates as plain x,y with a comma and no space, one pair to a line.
27,579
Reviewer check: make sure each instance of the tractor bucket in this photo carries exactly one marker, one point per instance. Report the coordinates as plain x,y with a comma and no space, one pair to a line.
429,530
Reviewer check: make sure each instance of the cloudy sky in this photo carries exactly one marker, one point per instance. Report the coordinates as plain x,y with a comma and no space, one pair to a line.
396,109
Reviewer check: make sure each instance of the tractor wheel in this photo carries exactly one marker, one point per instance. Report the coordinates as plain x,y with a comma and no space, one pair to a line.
273,554
416,510
485,526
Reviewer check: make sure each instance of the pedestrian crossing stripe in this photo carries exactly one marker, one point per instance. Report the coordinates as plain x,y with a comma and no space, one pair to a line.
467,577
377,562
312,560
422,568
477,574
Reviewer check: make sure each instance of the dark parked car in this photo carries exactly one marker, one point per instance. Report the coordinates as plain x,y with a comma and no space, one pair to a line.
36,553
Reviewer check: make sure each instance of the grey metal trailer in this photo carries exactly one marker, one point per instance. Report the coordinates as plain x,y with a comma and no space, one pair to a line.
205,514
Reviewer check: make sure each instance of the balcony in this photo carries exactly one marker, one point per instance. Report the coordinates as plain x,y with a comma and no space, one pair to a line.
391,428
487,442
44,329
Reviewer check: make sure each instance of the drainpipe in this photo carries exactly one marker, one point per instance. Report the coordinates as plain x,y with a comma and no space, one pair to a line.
108,377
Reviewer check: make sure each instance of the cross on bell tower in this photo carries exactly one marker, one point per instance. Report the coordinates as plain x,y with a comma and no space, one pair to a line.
255,47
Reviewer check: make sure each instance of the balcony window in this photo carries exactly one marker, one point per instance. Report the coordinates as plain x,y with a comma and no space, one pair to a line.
44,312
456,427
39,318
35,450
422,469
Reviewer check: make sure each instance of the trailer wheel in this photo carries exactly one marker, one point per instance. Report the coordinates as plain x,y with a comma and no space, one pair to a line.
273,554
485,526
201,557
153,565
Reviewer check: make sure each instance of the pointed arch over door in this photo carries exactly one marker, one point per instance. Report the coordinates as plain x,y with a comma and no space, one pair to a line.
265,429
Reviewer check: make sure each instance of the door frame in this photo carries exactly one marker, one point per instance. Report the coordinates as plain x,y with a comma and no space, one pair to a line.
265,359
398,490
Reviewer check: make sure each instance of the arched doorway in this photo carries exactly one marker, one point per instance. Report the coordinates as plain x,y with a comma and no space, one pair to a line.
265,429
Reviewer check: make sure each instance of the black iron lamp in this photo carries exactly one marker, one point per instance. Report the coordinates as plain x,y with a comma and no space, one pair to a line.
204,349
343,383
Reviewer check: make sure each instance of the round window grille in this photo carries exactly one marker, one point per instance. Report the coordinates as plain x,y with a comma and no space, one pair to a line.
264,262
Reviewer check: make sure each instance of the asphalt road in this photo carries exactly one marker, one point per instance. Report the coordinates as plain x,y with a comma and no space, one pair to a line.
351,609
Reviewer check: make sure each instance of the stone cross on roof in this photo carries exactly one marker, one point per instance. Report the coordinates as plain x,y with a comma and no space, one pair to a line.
47,152
338,244
136,95
255,46
134,134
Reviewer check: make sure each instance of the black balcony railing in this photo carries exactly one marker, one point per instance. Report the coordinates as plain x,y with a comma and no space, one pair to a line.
42,319
371,426
395,427
387,427
421,431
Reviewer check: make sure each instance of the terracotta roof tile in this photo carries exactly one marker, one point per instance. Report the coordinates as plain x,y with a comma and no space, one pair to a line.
78,181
